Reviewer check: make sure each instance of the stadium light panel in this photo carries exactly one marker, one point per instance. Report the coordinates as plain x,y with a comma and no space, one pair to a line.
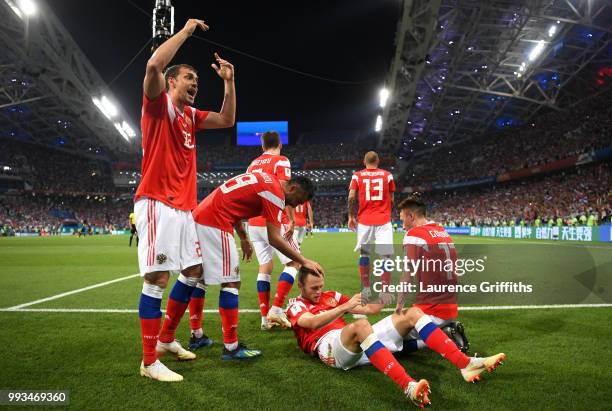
121,131
378,126
552,30
128,129
384,96
536,51
28,7
105,106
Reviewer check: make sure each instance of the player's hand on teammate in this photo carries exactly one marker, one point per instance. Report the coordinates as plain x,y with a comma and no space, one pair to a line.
225,69
247,250
314,267
352,223
193,24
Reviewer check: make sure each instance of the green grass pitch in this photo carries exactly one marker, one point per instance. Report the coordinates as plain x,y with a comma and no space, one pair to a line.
556,358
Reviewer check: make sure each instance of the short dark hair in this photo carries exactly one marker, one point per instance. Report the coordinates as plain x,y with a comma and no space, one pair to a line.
305,184
304,273
414,204
270,139
174,71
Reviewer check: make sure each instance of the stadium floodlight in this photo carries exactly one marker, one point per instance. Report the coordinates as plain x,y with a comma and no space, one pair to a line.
125,130
106,107
384,96
128,129
28,7
378,126
536,51
552,30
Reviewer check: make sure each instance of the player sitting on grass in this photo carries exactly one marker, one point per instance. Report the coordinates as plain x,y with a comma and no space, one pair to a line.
317,320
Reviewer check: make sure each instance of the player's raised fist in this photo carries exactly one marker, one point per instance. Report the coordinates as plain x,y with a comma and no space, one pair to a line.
192,24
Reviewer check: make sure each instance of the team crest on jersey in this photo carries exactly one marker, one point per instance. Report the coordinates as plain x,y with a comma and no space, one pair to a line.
161,258
188,141
332,302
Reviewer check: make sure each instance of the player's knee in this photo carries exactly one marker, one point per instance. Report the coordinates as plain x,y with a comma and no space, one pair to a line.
412,315
266,268
362,328
195,271
158,278
235,284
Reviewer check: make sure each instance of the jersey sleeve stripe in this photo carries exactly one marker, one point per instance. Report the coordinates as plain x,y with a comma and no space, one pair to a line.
171,112
274,199
389,178
338,296
282,163
410,239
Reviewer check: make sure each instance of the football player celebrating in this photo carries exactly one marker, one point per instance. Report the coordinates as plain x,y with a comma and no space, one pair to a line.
375,187
427,241
167,194
318,323
218,215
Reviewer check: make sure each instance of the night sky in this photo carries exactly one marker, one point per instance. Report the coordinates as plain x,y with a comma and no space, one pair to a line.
349,40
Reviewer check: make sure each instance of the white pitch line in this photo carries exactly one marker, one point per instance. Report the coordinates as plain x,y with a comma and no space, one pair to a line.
256,310
80,290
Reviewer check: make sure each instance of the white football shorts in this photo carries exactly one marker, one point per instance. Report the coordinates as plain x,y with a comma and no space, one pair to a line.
220,259
168,241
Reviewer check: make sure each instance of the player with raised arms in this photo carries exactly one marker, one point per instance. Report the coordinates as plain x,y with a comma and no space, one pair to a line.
317,321
167,194
223,211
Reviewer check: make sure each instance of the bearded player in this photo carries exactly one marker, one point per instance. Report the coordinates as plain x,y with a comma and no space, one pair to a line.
167,194
374,187
318,323
218,215
272,162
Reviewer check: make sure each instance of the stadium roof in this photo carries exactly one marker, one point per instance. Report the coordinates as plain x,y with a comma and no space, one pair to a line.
464,67
49,91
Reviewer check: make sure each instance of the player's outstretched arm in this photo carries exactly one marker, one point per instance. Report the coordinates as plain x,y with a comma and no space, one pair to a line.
369,309
154,82
227,116
312,321
277,241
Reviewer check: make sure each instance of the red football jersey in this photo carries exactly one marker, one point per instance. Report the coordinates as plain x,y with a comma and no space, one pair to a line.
168,152
307,338
375,187
301,213
239,198
278,166
430,242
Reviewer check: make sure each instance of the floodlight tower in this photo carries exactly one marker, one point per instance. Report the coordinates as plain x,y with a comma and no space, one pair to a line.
163,22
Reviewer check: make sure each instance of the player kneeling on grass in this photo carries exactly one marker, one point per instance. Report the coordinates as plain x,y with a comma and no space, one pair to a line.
317,320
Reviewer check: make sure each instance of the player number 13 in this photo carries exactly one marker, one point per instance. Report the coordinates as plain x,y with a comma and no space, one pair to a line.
375,185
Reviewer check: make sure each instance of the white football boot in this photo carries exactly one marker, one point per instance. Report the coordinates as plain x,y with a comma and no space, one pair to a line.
158,371
175,348
478,365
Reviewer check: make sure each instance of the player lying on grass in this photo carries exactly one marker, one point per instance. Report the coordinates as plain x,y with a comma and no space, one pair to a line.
317,320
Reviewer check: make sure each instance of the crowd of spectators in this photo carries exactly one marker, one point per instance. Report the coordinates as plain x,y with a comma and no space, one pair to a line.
555,136
48,213
51,170
298,154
